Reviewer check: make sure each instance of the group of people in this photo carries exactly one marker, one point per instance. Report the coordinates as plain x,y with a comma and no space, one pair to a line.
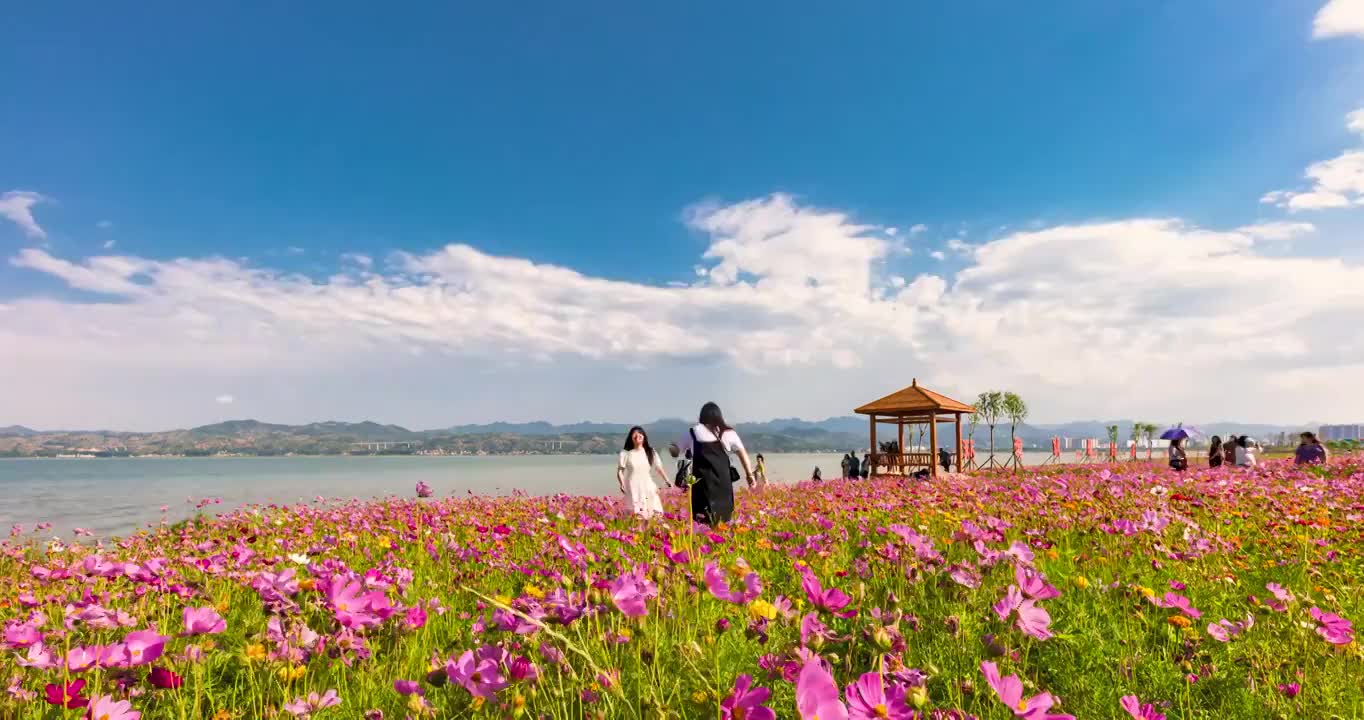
703,463
1244,451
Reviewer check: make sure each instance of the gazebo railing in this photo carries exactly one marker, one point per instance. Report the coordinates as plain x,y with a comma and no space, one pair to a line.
901,463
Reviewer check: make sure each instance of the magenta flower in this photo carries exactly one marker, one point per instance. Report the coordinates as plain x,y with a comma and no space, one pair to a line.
480,674
816,693
1224,630
719,587
22,635
423,490
103,707
164,679
1283,597
80,659
1009,690
1289,690
746,702
629,592
203,621
1012,599
67,695
1139,711
407,687
868,699
305,707
38,657
143,646
1033,620
1034,584
831,600
1333,628
1176,602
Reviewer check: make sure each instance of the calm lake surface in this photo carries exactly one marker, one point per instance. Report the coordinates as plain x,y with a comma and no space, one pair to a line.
112,496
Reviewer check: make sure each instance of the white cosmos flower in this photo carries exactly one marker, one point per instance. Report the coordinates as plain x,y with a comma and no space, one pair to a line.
300,558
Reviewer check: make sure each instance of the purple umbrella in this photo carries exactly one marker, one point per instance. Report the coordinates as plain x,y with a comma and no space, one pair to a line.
1179,432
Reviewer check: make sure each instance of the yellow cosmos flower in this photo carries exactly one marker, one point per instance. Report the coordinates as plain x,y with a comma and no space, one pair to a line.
1178,621
290,673
762,609
255,651
1081,582
534,592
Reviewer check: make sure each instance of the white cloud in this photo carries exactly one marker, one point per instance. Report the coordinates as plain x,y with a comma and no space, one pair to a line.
918,229
1335,183
788,297
1339,17
17,207
1278,230
938,255
224,399
109,244
104,224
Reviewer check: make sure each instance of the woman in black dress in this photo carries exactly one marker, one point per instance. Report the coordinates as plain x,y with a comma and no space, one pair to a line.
710,441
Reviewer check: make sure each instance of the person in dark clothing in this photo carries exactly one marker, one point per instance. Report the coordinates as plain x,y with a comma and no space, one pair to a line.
1215,452
945,459
815,476
710,441
866,466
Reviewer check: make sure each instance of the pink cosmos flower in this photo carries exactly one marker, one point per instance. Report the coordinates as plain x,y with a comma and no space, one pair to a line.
1034,584
423,490
144,646
1333,628
480,674
868,699
407,687
1139,711
103,707
67,695
831,600
38,658
816,693
1176,602
630,593
1009,690
22,635
203,621
305,707
746,702
1033,620
1283,597
719,587
80,659
1224,630
1020,552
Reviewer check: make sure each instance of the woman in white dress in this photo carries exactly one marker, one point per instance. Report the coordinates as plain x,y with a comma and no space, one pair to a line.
637,460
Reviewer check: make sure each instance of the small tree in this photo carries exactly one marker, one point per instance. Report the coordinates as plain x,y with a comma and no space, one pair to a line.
1017,411
1112,438
990,405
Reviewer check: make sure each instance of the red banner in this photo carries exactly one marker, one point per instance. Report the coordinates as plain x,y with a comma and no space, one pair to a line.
1056,446
1018,447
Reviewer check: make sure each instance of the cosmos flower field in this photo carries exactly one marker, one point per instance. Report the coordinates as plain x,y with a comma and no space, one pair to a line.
1091,592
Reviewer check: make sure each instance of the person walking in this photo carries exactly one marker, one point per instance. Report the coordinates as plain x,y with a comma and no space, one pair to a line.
710,441
1179,459
1310,451
1215,452
945,459
633,467
760,473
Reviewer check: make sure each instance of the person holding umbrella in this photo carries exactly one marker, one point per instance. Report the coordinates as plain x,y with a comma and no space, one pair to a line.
1179,459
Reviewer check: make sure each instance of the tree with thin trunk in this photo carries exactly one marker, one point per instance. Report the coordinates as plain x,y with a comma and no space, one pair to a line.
1112,436
1017,411
990,405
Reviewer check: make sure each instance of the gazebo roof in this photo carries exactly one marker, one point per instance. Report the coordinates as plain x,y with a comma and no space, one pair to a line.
914,400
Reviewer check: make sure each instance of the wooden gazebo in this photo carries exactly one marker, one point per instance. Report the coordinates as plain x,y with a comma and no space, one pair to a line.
914,406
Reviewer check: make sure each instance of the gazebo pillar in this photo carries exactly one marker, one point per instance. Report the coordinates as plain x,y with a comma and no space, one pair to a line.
933,444
958,424
872,469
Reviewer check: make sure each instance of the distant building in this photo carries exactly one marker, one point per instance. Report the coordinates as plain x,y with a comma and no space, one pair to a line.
1341,432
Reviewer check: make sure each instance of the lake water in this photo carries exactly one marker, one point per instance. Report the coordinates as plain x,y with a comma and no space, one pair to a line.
117,495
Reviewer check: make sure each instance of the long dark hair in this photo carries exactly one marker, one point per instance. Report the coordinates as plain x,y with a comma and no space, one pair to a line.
630,445
712,418
1216,446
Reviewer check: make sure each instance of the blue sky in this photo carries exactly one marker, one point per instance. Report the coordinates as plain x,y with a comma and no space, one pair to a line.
610,140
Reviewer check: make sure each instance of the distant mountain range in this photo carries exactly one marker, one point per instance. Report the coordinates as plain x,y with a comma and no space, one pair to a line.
254,437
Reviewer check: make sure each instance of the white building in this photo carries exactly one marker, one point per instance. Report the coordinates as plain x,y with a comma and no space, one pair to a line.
1341,432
